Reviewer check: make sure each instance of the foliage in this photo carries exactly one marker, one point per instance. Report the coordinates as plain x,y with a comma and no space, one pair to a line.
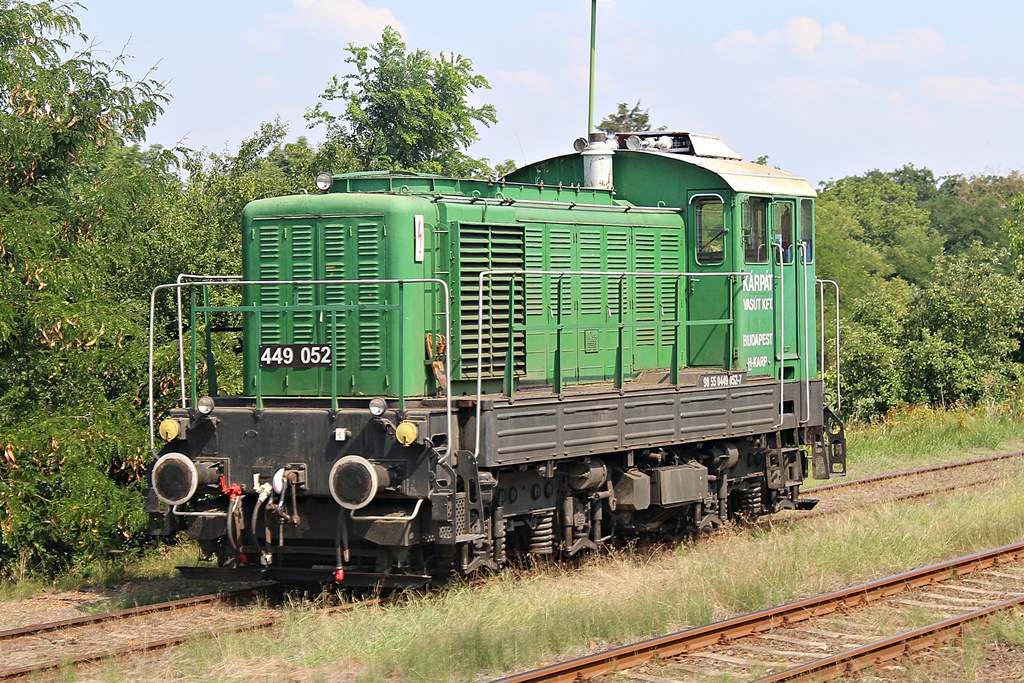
970,210
627,120
949,342
55,110
72,291
405,110
1013,225
889,222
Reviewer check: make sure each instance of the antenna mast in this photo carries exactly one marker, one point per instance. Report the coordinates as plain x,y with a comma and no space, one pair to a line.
593,40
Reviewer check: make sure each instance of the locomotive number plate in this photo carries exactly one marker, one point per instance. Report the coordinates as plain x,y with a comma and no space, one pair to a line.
722,379
295,355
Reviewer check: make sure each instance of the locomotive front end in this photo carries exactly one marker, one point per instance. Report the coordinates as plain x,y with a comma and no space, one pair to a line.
320,461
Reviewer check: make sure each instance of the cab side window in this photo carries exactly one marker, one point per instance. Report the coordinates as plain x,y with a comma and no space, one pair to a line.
807,228
711,231
784,229
755,230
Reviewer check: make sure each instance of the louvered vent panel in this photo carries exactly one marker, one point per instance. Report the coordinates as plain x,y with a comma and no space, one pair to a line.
371,322
303,269
560,258
481,248
670,261
590,259
535,261
334,269
618,261
645,258
270,269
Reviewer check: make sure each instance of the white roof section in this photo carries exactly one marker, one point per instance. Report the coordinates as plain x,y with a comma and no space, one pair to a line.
747,177
710,146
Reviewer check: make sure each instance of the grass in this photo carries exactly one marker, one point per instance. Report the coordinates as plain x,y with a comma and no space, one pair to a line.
524,620
142,579
908,437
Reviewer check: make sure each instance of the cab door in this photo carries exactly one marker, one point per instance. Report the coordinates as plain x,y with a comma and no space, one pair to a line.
708,291
785,266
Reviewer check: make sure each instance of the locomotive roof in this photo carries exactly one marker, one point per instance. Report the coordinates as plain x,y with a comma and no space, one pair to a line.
739,176
748,177
656,167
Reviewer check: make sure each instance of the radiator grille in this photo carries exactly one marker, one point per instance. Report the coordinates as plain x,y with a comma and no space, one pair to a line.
491,247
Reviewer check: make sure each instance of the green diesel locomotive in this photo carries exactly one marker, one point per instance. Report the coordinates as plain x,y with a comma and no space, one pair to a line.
443,374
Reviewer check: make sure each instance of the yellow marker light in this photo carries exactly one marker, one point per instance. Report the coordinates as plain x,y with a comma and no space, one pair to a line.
406,433
169,429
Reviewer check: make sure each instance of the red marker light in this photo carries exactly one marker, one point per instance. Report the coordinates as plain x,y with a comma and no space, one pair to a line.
339,575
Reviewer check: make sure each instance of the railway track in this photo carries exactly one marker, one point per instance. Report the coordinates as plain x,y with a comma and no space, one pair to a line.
908,484
52,645
39,648
758,645
776,644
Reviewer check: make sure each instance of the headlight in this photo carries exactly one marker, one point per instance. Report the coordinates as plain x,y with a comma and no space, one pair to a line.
378,406
205,405
324,181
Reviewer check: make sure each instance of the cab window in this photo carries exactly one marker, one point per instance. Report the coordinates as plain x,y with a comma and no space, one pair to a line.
783,229
755,230
710,231
807,228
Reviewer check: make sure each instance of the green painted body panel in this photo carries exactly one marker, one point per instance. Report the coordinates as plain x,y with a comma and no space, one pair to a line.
338,237
539,328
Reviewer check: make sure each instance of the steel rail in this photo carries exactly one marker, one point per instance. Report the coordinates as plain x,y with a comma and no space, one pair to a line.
674,644
909,473
128,650
893,647
151,645
125,613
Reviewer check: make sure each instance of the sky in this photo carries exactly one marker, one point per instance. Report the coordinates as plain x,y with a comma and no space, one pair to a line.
824,89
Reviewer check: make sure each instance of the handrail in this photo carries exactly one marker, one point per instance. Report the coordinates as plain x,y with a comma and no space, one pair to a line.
839,385
807,334
620,324
390,518
781,277
235,282
181,331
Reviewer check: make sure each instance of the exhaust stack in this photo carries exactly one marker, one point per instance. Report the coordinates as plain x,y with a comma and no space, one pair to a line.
597,156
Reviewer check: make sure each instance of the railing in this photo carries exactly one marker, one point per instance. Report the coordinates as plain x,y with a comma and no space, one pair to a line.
195,283
821,303
620,325
780,330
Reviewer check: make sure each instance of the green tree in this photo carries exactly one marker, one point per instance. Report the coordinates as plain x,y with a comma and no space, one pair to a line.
76,199
890,222
55,110
966,210
951,341
405,110
627,120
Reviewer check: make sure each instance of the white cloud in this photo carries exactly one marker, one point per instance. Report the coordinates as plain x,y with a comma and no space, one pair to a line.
897,99
817,89
349,20
267,85
975,92
812,42
532,81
